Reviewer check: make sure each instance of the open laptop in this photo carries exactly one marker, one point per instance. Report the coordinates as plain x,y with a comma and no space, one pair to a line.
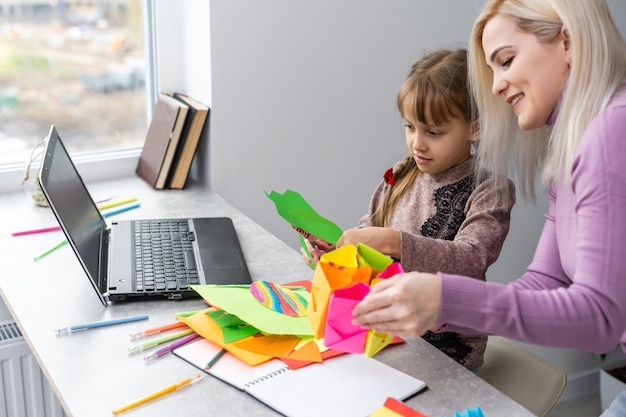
199,250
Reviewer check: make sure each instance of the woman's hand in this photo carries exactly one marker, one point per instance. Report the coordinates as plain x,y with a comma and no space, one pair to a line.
404,305
382,239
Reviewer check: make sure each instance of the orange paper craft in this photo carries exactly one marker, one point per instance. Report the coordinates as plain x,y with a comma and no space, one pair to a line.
274,345
206,327
295,363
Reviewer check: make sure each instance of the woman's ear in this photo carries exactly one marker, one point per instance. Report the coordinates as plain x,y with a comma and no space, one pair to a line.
567,46
474,131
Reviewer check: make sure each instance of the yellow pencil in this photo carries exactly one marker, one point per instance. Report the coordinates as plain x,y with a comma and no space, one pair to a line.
157,394
115,203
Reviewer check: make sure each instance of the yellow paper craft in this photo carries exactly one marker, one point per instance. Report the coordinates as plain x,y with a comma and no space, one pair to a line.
377,341
238,300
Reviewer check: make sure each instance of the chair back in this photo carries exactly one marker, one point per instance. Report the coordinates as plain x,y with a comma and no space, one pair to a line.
527,378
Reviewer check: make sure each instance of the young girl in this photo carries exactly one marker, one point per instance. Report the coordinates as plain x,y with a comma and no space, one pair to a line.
428,212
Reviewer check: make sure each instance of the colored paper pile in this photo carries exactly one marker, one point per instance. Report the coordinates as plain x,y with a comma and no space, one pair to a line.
301,323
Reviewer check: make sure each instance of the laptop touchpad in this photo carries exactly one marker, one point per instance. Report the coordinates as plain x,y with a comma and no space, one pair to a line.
220,259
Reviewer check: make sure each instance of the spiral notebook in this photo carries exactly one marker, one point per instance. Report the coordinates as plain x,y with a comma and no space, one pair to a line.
348,385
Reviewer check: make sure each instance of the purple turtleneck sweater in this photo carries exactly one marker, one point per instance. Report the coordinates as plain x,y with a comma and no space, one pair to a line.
573,294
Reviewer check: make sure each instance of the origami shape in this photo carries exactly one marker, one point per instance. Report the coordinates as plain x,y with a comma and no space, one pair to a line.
336,269
341,275
339,332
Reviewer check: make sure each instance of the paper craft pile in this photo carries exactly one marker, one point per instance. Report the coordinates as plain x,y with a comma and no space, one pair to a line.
306,321
301,323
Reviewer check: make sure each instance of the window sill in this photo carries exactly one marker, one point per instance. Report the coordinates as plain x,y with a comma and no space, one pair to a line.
92,167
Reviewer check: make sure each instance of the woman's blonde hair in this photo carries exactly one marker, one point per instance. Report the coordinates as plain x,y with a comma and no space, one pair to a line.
434,91
598,53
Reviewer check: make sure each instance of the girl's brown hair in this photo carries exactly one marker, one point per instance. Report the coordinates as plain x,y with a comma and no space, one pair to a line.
434,90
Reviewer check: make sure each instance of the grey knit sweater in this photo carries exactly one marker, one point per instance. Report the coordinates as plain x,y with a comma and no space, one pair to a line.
448,224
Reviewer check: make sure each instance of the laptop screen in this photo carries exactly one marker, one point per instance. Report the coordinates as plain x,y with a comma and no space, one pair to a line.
74,208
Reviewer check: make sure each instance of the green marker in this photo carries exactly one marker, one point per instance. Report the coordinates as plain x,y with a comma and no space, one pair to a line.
158,341
52,249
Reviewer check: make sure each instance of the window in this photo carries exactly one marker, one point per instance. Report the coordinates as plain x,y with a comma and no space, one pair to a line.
81,65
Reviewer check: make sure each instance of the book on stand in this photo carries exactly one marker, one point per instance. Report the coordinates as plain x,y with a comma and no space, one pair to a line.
162,137
192,132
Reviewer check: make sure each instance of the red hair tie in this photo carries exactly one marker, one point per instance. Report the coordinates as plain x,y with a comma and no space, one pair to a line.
388,176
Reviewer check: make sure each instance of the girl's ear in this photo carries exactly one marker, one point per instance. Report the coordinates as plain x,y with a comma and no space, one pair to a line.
474,131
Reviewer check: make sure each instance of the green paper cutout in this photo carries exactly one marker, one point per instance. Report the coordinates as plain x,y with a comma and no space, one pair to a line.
294,208
373,258
237,300
233,328
306,250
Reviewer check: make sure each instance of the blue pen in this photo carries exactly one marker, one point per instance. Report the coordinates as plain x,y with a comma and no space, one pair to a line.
79,327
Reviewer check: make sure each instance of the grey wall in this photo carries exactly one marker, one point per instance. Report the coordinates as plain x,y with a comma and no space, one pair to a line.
303,98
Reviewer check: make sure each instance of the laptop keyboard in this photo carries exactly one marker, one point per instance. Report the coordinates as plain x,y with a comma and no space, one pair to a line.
164,258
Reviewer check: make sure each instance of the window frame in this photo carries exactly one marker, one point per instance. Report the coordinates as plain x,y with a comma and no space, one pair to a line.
96,165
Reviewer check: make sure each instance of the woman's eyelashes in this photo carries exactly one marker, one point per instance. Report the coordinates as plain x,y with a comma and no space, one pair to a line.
507,62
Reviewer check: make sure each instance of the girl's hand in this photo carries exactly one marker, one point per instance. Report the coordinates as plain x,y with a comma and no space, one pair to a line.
405,305
383,239
316,248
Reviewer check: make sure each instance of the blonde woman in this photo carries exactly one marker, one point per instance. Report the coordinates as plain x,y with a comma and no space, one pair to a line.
549,81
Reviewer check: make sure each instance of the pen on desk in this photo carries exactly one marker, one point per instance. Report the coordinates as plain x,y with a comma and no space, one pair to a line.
104,200
160,393
100,206
158,329
178,343
155,342
33,231
50,250
79,327
120,210
64,241
114,203
215,358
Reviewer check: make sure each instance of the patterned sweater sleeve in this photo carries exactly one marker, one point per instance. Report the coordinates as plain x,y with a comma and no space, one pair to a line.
478,242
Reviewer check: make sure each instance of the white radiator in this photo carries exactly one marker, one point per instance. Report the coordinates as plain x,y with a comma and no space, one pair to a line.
24,390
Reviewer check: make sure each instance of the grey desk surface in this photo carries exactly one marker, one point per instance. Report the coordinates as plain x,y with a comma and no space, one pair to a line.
92,371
